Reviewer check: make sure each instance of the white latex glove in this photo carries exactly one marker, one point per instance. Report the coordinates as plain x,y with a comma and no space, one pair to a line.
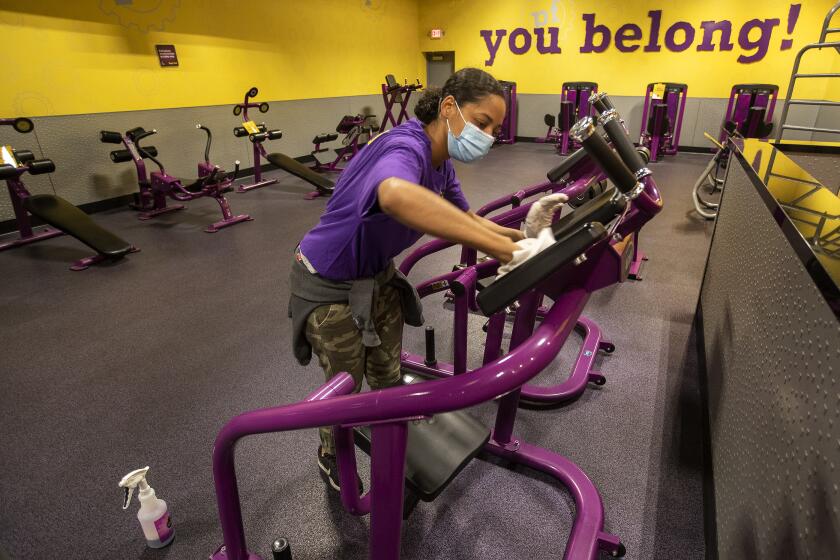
541,213
528,247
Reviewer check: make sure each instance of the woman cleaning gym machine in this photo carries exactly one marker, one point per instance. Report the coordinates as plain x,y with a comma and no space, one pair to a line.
348,301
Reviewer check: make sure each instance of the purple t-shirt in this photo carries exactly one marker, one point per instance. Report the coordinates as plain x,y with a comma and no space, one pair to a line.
354,238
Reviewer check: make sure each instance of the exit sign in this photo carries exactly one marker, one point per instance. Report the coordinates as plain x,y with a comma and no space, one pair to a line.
436,34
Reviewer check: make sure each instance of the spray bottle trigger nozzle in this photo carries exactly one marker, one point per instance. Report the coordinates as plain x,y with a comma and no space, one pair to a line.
128,494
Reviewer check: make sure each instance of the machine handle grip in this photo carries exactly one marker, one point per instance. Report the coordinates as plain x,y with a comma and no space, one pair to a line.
601,101
110,137
622,143
24,156
275,134
120,156
8,171
239,131
584,132
40,166
258,137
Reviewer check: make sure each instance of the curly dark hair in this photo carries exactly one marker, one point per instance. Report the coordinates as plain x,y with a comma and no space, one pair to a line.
467,85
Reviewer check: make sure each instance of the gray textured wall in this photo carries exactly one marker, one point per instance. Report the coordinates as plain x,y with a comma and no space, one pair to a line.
84,173
773,360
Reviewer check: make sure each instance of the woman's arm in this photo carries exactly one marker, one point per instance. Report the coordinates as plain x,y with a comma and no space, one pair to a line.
510,233
422,210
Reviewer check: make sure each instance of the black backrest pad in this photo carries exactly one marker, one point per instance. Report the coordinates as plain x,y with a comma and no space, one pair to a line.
509,287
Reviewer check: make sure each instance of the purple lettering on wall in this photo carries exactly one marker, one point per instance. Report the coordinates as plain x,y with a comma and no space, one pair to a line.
514,36
492,46
591,29
554,37
761,44
688,36
754,36
655,21
709,27
627,32
793,15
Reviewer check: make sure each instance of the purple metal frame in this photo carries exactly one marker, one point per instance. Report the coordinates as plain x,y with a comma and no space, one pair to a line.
669,142
156,186
387,411
397,97
741,99
258,149
507,132
353,128
578,94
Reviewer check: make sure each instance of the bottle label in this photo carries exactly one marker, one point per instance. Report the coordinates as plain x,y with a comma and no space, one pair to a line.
163,526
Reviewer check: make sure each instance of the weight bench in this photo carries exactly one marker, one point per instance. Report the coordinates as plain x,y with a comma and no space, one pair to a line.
291,165
62,215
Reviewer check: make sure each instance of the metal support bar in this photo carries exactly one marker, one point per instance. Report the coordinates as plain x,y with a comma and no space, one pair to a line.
810,129
824,103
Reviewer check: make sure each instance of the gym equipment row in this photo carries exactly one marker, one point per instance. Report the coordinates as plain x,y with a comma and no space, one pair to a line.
662,118
157,186
749,114
574,105
61,215
395,425
396,96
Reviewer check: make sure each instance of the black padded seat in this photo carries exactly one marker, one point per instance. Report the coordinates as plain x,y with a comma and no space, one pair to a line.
322,138
438,449
291,165
60,214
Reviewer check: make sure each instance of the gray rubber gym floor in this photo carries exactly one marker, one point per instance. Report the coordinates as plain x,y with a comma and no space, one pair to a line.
141,363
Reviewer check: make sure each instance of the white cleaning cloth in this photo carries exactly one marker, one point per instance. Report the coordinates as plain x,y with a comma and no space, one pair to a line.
529,247
541,213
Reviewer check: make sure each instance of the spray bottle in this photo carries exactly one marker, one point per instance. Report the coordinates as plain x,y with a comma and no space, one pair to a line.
153,514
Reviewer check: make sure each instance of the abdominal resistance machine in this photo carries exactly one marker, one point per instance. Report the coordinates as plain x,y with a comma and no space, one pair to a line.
417,434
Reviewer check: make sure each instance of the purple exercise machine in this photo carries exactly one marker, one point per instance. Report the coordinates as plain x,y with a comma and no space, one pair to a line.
749,114
575,175
507,132
396,96
157,186
567,272
258,134
64,217
574,105
750,108
357,131
662,119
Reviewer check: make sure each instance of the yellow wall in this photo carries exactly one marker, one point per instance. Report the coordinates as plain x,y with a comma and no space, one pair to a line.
90,56
708,74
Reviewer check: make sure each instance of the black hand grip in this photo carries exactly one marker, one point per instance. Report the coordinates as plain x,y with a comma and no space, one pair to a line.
40,166
622,143
602,102
595,145
24,156
561,170
120,156
8,171
275,134
110,137
258,137
240,131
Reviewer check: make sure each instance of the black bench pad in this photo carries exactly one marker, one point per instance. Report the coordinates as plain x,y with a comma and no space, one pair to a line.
291,165
321,138
60,214
438,449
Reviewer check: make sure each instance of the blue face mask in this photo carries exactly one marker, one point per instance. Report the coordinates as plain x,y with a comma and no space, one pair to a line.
473,143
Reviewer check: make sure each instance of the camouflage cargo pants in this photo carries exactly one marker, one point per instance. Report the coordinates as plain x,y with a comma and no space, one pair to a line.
337,342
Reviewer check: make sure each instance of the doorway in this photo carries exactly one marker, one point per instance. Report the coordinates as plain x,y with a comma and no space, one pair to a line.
439,66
